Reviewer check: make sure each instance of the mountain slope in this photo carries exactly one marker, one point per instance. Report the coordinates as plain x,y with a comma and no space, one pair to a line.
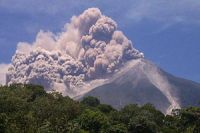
140,81
188,91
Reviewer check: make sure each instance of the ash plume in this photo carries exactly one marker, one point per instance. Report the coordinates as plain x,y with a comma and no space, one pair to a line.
3,71
89,48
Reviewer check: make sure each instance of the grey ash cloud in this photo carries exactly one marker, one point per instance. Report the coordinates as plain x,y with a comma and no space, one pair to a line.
89,47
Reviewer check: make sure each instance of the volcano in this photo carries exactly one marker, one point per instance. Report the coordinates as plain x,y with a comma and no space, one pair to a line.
91,56
140,82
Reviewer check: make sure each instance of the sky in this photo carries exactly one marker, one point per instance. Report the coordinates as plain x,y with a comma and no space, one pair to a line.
167,31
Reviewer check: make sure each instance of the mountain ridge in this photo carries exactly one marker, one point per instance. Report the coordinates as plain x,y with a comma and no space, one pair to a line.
145,82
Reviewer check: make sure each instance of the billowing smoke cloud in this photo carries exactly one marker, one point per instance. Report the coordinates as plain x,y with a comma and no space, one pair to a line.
90,47
3,71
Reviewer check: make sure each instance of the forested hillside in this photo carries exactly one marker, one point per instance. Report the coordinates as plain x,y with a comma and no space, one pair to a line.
29,109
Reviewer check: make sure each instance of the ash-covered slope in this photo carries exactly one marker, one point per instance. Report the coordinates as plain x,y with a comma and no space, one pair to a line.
140,81
187,91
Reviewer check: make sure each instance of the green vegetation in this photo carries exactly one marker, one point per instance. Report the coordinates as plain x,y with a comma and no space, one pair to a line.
29,109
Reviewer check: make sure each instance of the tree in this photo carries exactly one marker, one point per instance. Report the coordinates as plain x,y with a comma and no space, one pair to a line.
3,122
105,108
29,109
128,112
152,114
189,119
93,121
119,128
141,124
90,101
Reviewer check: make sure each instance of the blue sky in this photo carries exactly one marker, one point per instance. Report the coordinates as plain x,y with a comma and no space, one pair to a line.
167,31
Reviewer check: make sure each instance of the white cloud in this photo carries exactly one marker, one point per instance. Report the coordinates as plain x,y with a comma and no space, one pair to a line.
51,7
186,11
3,71
165,11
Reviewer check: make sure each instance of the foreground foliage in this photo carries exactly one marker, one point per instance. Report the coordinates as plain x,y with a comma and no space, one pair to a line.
29,109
